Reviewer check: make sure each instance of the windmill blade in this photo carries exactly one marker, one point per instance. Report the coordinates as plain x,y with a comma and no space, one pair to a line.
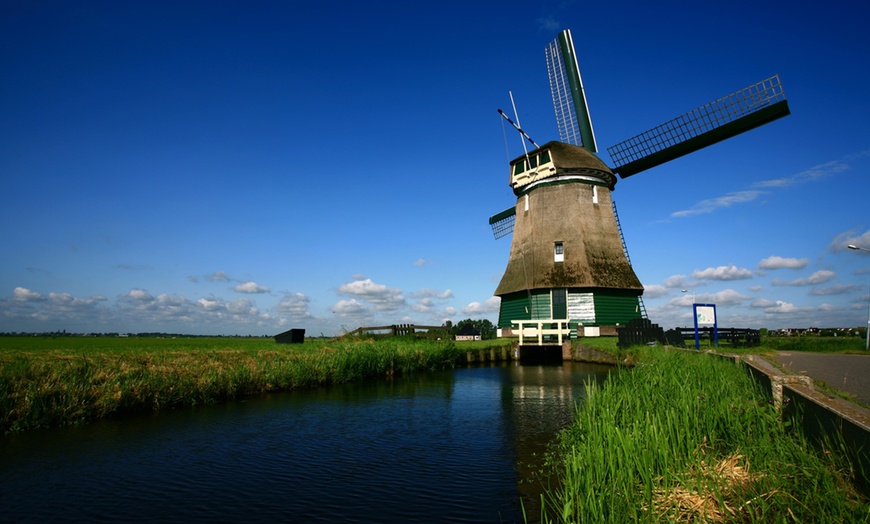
569,99
503,223
729,116
518,128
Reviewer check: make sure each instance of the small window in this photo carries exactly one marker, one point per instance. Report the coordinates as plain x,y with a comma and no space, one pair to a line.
559,252
545,156
533,161
594,194
527,202
519,167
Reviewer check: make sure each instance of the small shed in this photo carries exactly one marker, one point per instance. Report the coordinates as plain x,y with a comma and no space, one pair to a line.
291,336
468,332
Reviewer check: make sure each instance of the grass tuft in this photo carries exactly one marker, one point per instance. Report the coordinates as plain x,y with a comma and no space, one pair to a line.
687,437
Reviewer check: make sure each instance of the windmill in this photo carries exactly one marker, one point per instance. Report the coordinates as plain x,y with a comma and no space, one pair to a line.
568,260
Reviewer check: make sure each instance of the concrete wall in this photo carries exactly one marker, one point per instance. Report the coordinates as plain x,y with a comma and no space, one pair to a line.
819,415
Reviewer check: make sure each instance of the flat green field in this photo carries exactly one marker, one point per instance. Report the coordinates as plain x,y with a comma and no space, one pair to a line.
47,382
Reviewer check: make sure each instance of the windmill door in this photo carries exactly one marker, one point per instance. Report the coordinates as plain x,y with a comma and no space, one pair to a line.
560,303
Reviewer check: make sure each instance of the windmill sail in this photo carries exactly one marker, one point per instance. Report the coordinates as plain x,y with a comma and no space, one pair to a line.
729,116
503,223
569,99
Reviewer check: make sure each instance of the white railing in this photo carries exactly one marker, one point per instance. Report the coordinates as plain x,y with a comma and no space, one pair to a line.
536,329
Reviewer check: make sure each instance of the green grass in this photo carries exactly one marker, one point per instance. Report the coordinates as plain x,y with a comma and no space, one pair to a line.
815,344
474,345
46,382
687,437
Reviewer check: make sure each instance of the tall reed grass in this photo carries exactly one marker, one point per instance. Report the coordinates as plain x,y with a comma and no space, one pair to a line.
43,383
687,437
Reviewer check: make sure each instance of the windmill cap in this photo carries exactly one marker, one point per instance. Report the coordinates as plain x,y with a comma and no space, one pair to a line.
568,159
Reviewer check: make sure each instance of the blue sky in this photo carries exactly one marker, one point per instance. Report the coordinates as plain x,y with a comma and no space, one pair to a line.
247,168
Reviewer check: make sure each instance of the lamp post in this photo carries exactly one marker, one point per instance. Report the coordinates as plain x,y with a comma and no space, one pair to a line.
867,342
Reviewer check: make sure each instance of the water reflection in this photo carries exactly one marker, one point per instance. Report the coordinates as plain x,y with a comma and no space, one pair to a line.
430,447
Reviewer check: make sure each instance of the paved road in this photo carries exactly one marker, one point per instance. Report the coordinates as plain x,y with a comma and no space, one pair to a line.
848,373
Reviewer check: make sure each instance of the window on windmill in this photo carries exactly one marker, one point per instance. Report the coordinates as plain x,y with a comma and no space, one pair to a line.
533,161
545,157
519,167
559,252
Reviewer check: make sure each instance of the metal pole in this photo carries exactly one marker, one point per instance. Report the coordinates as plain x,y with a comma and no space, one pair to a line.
867,342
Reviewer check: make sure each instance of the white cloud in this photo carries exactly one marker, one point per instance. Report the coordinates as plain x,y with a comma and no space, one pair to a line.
810,175
775,262
726,297
819,277
425,305
490,306
68,301
210,304
842,241
294,305
723,273
714,204
138,310
654,291
22,294
420,262
218,276
762,303
431,293
137,296
28,309
350,309
250,287
837,289
382,297
782,307
677,281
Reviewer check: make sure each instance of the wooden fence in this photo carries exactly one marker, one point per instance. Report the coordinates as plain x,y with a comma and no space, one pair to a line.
642,331
401,330
735,337
553,330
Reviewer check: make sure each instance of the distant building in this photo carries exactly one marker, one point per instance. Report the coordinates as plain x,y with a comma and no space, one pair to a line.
468,332
292,336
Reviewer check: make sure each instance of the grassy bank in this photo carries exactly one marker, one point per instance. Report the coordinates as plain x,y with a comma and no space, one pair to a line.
687,437
47,382
815,344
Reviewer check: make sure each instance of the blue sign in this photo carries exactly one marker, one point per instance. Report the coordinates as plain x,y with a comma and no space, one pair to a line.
705,315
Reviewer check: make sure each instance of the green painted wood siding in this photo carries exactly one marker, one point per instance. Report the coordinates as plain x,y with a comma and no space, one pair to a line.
612,306
541,304
514,306
615,306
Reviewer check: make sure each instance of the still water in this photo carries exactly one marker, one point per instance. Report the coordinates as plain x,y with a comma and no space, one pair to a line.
452,446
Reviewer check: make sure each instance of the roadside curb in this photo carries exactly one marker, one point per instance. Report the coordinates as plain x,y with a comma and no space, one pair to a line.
817,413
782,382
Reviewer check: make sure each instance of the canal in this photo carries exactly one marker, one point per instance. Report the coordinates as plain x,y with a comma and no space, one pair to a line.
462,445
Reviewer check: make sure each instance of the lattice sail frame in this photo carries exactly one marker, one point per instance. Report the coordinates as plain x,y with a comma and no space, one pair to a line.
503,223
744,109
569,97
